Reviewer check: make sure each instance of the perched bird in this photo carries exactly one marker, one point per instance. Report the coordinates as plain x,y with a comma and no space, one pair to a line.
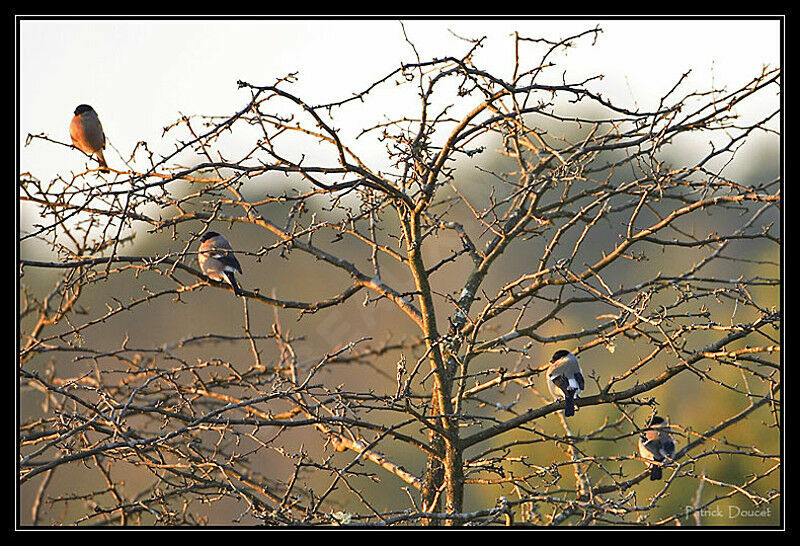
216,259
655,444
87,134
565,380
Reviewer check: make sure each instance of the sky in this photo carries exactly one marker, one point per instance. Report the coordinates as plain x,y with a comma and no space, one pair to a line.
141,75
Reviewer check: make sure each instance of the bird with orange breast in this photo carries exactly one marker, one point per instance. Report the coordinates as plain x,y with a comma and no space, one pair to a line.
656,444
217,261
87,134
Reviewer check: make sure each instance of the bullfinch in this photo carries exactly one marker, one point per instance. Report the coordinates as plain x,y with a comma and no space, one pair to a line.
87,134
216,260
655,444
565,380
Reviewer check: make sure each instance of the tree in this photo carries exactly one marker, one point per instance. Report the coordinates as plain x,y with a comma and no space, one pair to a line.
519,216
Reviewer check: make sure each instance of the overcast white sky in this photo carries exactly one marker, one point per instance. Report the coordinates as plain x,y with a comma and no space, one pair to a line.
140,74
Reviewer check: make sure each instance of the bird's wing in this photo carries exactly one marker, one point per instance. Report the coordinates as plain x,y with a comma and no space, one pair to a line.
225,255
653,446
668,447
579,379
229,260
561,382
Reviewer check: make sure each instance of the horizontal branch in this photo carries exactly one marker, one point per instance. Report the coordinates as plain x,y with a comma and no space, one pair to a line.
608,397
150,260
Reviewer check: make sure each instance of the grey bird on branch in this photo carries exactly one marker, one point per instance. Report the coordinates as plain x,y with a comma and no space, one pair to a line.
216,260
87,134
565,380
656,444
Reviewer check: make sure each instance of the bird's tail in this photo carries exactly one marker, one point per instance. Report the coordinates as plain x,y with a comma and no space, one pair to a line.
232,279
569,403
102,160
655,473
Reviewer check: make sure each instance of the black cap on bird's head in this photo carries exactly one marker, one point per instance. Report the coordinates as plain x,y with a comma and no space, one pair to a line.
82,108
559,355
208,235
656,420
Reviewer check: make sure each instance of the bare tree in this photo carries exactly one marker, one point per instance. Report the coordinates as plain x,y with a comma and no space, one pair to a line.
518,217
